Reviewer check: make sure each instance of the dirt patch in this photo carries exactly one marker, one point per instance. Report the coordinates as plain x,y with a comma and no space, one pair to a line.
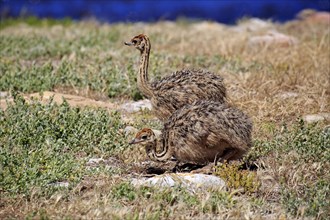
73,100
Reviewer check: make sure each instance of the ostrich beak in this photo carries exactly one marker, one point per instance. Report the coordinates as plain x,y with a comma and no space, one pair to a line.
128,43
134,141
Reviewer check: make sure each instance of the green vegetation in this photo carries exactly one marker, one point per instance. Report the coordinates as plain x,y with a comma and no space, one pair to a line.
309,141
44,65
303,152
41,144
34,21
299,158
238,179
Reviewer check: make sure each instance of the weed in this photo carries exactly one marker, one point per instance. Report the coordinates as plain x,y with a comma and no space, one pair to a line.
217,201
124,190
236,178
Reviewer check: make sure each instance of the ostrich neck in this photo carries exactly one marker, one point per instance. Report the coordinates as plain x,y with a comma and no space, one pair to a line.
162,156
142,80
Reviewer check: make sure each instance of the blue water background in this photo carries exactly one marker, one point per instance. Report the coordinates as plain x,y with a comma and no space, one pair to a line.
224,11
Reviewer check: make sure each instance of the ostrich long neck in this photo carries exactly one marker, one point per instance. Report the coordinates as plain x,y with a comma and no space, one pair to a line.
142,80
162,156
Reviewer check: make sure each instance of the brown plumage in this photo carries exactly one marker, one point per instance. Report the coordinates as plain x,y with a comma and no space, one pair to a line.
178,89
202,132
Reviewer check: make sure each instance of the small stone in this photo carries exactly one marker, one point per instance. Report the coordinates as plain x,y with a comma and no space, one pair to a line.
253,25
132,107
188,180
94,161
287,95
273,39
130,130
4,94
312,16
60,184
316,117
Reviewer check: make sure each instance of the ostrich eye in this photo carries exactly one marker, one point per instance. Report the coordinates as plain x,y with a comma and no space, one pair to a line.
134,41
144,137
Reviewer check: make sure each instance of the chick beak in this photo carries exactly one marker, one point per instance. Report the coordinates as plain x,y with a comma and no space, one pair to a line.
134,141
128,43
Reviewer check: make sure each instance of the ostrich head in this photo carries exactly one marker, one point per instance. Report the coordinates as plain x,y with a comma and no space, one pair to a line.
144,137
140,42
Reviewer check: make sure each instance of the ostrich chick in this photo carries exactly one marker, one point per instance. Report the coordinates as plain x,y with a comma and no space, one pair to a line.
178,89
202,132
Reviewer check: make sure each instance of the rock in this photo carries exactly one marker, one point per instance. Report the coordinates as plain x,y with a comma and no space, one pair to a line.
112,165
94,161
60,184
130,130
4,94
272,39
316,117
132,107
287,95
188,180
253,25
312,16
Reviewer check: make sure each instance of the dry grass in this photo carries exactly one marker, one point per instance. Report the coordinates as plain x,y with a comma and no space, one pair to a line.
257,80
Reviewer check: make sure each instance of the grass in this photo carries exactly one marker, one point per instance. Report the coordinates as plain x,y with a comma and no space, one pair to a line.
34,21
43,145
298,159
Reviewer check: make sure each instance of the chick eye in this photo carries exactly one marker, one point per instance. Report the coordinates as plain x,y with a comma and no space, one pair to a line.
134,41
144,137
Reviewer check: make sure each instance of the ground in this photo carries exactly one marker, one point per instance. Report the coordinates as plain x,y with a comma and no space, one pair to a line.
276,73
